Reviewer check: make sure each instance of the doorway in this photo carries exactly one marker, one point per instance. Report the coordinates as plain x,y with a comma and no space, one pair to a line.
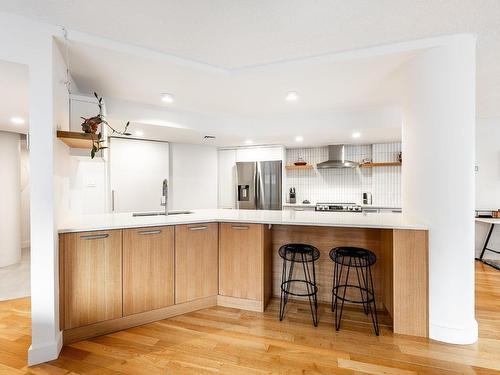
15,183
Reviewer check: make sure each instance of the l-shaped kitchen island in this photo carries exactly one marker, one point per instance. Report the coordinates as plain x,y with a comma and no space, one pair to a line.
117,271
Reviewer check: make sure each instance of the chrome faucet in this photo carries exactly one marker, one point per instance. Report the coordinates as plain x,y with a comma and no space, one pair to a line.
164,198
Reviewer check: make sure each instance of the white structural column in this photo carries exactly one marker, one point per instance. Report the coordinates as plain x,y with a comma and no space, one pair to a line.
438,178
10,201
46,338
25,42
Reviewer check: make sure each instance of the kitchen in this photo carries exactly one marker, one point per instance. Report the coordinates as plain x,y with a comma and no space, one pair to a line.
175,225
309,187
214,192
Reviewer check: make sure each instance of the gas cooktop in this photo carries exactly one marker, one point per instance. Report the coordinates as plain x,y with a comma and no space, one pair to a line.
338,207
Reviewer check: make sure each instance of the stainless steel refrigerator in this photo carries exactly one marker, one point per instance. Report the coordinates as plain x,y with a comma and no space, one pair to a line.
259,185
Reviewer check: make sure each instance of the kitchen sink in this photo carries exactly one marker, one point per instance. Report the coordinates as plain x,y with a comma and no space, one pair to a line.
159,213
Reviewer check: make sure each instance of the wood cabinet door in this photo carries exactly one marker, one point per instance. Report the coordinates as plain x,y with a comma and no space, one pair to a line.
241,260
196,261
148,269
91,277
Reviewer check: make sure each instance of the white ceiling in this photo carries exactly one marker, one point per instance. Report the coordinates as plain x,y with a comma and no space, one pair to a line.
321,85
13,96
335,97
235,34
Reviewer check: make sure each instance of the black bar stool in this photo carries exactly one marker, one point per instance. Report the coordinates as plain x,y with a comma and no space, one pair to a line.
306,255
361,261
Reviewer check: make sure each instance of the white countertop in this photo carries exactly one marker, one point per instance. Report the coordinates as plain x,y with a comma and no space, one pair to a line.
312,204
488,220
334,219
299,205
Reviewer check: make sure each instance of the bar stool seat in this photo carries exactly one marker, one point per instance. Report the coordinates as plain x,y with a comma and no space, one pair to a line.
361,260
306,255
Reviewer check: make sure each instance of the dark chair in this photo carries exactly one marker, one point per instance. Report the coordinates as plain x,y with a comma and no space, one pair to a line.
305,255
360,261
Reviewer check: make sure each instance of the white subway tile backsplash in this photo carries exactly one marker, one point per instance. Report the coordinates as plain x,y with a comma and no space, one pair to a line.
347,185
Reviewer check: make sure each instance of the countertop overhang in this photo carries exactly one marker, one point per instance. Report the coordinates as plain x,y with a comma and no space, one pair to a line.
85,223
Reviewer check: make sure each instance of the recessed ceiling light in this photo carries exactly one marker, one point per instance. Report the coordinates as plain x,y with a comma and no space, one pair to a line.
139,133
356,134
299,138
292,96
167,98
248,142
17,120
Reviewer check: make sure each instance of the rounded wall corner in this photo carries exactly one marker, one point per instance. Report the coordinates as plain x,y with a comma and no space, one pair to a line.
465,335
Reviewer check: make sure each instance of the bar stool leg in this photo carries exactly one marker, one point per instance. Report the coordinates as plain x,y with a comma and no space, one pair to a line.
334,283
315,294
338,276
284,294
374,311
359,269
337,323
311,289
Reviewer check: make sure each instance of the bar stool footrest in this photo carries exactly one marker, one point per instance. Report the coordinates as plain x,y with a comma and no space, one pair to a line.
311,285
362,290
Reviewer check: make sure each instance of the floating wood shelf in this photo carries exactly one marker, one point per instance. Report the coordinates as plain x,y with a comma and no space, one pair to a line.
76,139
293,167
373,165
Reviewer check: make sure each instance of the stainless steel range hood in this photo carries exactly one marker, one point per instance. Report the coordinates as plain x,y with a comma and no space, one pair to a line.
336,159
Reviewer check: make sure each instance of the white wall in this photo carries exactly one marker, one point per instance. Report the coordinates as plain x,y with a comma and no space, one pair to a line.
87,185
10,199
193,176
438,184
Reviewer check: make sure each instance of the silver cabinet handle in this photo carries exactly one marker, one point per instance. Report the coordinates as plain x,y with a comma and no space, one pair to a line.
198,228
240,227
94,236
112,200
155,231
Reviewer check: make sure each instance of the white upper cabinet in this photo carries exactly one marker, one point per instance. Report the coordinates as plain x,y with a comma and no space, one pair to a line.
227,179
260,153
137,171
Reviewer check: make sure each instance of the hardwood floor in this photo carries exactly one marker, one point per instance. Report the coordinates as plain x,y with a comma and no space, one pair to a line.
230,341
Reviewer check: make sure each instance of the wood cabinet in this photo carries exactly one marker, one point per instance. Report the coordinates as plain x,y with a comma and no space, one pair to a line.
242,256
148,269
90,277
196,261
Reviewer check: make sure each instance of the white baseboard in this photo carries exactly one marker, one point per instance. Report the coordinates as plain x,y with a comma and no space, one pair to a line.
454,335
46,352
